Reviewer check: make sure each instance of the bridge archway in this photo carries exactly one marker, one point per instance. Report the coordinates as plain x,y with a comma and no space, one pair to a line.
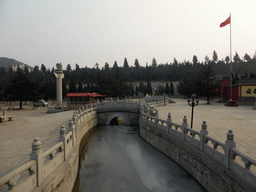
115,115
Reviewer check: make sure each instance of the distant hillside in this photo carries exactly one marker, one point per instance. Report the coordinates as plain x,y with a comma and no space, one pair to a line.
7,63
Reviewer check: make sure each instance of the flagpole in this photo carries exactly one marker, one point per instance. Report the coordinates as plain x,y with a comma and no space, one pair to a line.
230,63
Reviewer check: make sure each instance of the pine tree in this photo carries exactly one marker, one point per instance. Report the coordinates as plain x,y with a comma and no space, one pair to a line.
149,88
171,88
80,87
125,64
206,85
167,91
214,56
68,68
136,63
154,63
72,87
115,66
22,88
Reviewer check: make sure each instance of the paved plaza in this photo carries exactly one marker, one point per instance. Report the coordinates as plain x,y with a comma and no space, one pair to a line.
17,135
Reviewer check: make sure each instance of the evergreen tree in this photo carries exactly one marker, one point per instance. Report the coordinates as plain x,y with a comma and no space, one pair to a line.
175,62
142,88
125,63
77,67
72,87
115,66
43,68
160,90
167,91
80,87
206,59
136,91
89,88
85,90
237,58
214,56
136,63
68,68
64,90
186,87
247,57
171,88
206,85
131,90
227,59
195,60
112,85
106,66
36,70
149,88
22,88
154,63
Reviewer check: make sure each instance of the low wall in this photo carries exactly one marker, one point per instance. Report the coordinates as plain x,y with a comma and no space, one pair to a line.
55,169
217,166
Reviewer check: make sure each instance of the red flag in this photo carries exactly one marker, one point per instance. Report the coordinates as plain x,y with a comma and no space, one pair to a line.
225,22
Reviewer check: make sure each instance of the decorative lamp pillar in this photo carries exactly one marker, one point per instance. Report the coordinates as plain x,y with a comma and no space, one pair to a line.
193,101
59,76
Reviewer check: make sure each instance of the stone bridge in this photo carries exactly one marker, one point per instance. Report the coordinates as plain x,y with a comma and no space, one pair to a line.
129,111
217,166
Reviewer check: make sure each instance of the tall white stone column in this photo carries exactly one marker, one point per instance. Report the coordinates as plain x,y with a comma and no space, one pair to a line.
59,76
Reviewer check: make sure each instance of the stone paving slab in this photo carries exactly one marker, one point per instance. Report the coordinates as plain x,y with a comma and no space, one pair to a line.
219,119
17,136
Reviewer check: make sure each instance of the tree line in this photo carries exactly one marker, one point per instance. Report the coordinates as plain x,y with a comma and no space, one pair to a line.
118,80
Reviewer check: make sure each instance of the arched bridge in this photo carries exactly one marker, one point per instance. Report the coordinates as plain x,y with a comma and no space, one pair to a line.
129,111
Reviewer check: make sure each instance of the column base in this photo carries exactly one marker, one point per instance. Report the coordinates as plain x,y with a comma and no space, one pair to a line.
231,104
55,109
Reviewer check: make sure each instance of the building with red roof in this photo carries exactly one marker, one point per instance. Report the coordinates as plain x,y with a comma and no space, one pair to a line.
77,100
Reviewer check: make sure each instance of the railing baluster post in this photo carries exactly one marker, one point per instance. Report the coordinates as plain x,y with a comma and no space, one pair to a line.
63,139
169,122
37,155
229,143
184,127
71,127
203,132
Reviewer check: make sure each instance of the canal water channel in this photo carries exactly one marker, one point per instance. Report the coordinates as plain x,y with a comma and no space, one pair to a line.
116,158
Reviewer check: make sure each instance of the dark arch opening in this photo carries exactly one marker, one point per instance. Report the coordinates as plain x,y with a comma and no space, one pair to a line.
117,121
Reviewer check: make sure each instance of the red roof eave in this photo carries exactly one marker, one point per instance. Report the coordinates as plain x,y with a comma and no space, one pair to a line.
85,95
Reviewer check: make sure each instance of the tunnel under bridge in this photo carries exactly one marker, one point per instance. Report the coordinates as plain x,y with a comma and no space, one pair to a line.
109,112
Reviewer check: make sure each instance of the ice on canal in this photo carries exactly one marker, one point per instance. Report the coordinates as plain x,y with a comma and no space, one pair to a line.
117,159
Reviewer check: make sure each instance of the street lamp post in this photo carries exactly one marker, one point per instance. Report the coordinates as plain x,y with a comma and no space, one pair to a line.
193,101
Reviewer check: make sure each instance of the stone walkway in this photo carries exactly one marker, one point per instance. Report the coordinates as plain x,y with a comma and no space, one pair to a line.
219,119
17,136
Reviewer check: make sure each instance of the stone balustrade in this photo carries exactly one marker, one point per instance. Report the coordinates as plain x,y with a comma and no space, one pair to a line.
216,165
197,152
45,171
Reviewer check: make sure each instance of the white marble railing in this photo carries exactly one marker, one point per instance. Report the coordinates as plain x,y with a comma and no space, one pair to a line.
224,153
42,164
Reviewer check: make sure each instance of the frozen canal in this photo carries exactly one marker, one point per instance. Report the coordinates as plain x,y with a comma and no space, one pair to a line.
117,159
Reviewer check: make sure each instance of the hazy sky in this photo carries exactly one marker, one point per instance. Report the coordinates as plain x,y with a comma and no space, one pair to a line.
87,32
